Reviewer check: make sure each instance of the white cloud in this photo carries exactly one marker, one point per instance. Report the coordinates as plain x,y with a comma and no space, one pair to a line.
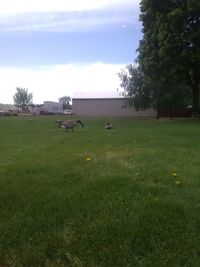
63,15
26,6
66,22
50,83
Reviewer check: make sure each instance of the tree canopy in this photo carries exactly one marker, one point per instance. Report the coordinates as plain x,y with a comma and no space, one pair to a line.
169,52
22,99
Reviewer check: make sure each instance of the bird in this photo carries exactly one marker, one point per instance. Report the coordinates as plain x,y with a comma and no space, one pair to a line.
69,124
108,126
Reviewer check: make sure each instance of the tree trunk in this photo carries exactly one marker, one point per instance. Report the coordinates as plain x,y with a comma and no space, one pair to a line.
195,100
194,79
158,109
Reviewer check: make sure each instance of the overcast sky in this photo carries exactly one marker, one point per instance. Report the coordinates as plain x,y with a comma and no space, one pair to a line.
58,47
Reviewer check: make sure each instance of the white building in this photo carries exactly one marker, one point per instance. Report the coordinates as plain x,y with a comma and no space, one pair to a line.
108,104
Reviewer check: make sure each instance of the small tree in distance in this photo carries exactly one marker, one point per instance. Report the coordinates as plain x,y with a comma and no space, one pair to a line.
65,101
22,99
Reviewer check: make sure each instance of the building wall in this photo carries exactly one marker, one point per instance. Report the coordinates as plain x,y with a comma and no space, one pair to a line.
46,107
53,107
107,107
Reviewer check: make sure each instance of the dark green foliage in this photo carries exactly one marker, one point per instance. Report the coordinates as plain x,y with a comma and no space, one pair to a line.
140,92
135,87
169,53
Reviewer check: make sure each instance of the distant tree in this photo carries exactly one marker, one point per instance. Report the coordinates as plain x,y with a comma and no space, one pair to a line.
22,99
135,87
65,101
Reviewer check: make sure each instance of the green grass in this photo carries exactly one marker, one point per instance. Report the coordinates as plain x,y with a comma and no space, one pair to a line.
123,207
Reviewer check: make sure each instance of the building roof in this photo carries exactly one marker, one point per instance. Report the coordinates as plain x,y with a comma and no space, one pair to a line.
97,95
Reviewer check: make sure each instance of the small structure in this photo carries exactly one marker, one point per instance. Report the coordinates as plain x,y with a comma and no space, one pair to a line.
8,108
48,107
52,107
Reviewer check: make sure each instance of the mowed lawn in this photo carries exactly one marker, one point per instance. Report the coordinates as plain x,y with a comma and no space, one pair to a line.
95,198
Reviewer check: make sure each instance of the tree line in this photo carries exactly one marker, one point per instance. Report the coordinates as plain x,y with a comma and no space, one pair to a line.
23,99
166,73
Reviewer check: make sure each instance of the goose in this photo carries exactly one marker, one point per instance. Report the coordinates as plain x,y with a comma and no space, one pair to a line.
69,124
108,126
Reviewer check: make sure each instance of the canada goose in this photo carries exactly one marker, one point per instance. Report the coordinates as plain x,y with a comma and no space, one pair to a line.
109,126
69,124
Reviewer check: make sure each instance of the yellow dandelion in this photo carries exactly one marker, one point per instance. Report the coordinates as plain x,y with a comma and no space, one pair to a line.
174,174
88,159
177,182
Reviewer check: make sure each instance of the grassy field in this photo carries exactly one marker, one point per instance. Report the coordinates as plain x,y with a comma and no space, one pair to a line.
97,198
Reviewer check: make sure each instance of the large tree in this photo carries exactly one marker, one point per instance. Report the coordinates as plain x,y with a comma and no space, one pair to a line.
169,53
140,92
22,99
